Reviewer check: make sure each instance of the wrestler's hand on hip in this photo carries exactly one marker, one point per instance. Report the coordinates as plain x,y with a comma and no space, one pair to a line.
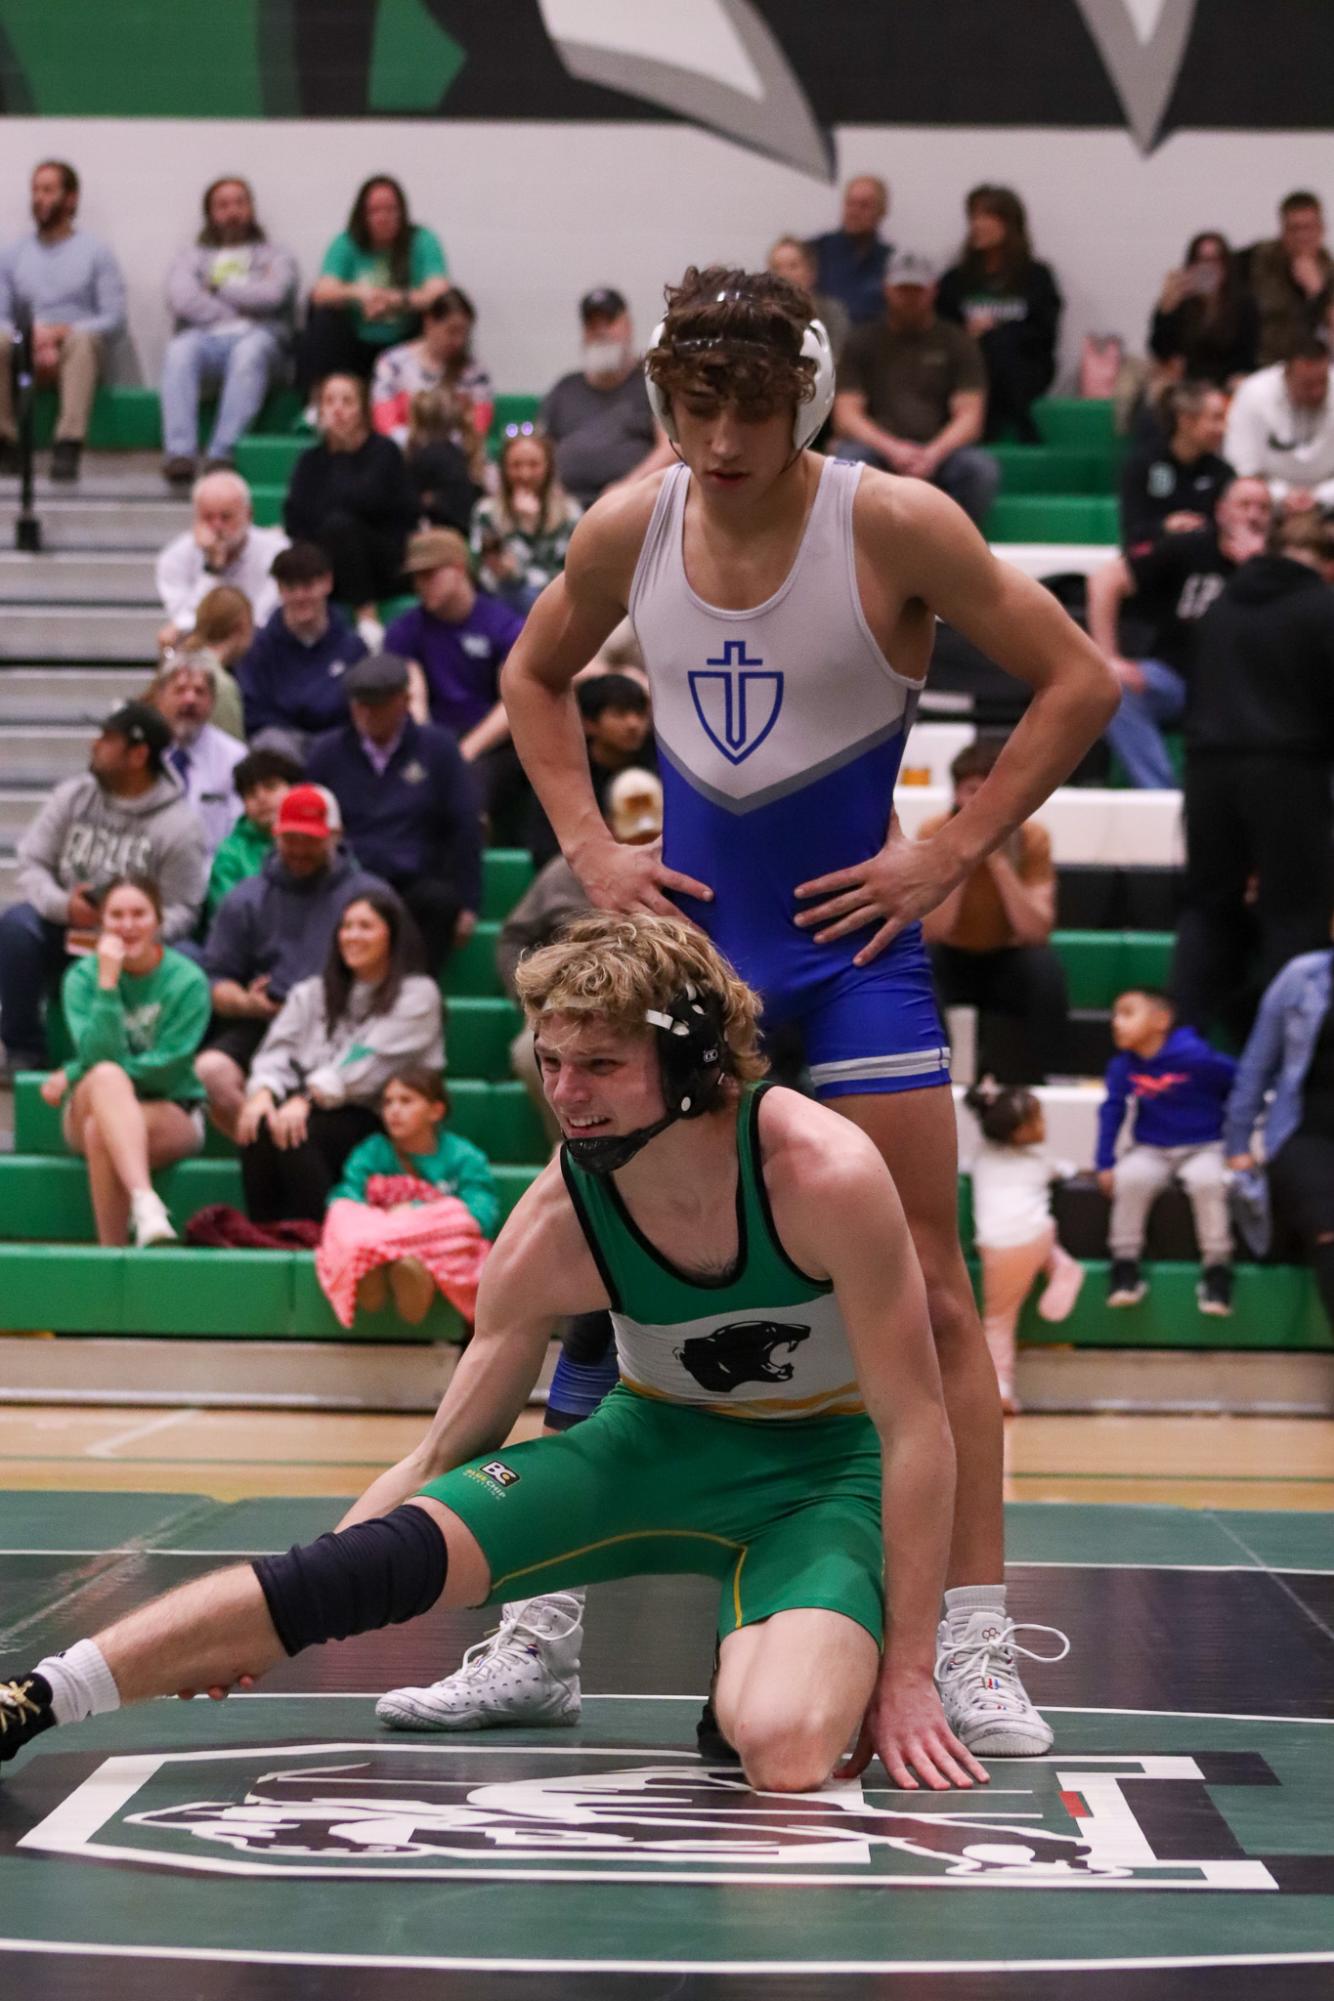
619,877
899,884
905,1728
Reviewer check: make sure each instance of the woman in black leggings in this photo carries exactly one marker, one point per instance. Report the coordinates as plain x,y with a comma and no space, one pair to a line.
1291,1053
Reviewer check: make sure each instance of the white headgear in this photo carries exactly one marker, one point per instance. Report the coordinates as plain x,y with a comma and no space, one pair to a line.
810,415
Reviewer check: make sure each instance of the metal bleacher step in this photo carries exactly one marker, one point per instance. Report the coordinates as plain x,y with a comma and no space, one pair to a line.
19,807
133,522
43,754
73,695
58,633
78,577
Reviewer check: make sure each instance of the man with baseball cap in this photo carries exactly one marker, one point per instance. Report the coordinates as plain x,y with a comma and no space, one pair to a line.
272,930
458,639
410,802
126,812
599,417
912,392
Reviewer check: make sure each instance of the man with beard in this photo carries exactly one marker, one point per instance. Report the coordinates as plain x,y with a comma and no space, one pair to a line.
70,287
231,294
202,756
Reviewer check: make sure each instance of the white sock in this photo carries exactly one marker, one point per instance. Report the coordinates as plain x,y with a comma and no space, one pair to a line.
81,1683
146,1198
966,1598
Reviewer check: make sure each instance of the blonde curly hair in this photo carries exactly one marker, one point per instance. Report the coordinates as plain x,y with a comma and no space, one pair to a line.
616,967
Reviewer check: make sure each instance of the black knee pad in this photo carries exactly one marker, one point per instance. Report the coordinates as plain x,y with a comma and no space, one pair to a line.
374,1574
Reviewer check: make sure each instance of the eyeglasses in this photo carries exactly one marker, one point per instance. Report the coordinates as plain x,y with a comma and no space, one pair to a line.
520,430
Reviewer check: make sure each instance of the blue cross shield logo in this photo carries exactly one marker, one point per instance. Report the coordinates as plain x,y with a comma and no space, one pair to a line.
737,704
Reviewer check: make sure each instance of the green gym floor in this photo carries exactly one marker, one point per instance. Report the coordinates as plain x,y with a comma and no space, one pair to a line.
1179,1840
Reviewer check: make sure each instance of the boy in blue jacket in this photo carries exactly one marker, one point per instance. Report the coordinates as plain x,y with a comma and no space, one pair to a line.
1180,1087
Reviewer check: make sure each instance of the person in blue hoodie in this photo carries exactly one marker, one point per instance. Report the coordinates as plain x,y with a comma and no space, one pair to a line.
1180,1087
292,676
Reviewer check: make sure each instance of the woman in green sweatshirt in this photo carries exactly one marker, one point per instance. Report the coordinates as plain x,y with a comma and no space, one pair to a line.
136,1013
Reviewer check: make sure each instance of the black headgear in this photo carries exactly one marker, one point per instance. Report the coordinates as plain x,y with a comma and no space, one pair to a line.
692,1049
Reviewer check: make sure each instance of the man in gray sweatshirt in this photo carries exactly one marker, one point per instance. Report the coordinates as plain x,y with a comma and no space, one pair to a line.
125,813
231,294
70,286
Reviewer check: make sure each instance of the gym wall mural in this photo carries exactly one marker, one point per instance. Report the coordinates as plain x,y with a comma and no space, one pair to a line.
775,76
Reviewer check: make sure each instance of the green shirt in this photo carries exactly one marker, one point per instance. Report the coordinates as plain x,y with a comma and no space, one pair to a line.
150,1024
765,1340
242,854
343,260
457,1167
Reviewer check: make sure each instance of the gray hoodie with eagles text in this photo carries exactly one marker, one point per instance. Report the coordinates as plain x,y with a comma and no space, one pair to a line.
85,834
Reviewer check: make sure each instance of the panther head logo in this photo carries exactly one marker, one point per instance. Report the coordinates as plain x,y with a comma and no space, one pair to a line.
742,1352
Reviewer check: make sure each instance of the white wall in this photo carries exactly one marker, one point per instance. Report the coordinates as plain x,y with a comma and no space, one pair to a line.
534,214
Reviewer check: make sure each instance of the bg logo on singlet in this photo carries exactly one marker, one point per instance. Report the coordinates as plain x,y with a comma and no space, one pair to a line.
737,705
741,1352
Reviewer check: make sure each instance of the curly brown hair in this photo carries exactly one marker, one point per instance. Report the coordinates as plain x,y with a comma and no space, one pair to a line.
733,336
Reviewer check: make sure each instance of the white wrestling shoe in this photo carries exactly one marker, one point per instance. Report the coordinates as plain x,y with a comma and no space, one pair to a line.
526,1672
150,1222
985,1702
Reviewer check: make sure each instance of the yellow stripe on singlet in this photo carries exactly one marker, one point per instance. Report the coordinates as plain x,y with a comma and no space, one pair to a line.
631,1535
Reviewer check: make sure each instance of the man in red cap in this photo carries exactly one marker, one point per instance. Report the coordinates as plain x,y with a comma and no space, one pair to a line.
269,932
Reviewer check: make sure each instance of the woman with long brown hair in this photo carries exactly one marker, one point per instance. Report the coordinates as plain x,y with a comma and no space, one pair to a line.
378,277
520,535
1011,305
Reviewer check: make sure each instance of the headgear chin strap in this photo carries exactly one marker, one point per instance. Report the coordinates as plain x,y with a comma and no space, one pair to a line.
809,416
692,1050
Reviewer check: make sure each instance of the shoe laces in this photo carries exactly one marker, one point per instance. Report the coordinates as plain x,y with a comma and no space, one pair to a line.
516,1633
986,1657
15,1700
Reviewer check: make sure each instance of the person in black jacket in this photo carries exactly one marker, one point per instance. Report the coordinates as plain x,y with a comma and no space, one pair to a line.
351,494
1205,326
1171,488
411,807
1010,303
1259,760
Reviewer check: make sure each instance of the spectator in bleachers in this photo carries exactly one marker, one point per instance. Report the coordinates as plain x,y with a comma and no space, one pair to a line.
351,494
618,728
850,261
1285,1084
599,417
202,756
410,805
446,459
221,546
1292,277
794,260
1281,428
441,359
520,534
1259,735
458,639
316,1078
1206,326
1180,1087
413,1212
377,279
912,393
989,939
261,781
224,630
124,813
269,933
1167,586
232,295
292,676
1012,1174
1171,488
135,1011
633,810
1010,303
68,285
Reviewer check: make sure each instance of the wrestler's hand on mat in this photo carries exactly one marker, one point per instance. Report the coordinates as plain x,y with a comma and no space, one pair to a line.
900,883
905,1728
618,877
216,1693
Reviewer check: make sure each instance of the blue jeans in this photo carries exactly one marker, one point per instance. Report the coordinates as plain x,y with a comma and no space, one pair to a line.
1134,732
969,475
32,960
245,363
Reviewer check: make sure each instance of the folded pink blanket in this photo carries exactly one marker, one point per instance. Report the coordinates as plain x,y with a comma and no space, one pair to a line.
441,1233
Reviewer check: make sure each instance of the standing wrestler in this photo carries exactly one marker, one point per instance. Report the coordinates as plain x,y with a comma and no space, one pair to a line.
779,1425
785,604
